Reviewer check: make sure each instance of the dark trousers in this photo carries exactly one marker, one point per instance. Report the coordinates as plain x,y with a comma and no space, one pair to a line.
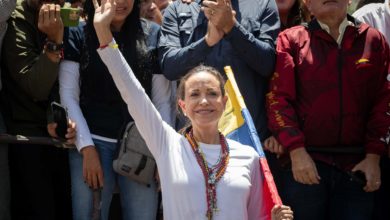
382,196
40,183
337,197
4,178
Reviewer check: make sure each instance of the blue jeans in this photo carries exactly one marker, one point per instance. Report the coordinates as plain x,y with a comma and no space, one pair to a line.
138,202
337,197
5,194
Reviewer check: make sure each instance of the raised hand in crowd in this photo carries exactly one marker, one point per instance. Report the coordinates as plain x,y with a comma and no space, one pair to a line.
71,131
213,35
282,212
220,13
370,167
50,23
303,167
104,14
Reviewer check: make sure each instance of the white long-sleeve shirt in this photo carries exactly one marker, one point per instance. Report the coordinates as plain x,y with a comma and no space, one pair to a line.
182,182
377,15
69,80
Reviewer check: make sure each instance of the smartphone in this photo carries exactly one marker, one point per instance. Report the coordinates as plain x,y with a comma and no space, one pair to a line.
70,16
358,176
60,116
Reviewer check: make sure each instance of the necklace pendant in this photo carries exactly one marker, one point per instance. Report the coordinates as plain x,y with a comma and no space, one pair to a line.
212,179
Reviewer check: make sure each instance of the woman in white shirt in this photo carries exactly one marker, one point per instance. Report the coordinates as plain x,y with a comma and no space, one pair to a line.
202,174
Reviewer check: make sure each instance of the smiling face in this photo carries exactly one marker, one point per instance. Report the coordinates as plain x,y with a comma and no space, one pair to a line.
123,9
204,101
328,9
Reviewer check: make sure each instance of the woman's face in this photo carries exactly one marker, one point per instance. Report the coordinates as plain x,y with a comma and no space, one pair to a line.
123,9
203,100
284,6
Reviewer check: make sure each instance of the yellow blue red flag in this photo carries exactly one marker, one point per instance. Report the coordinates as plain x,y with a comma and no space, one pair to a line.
237,124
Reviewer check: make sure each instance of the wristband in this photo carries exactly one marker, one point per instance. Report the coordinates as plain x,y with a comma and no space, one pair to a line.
51,46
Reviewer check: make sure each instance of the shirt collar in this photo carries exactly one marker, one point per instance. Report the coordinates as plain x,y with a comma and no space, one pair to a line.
344,24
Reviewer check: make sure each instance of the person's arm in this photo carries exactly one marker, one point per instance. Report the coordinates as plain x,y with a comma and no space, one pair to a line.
282,116
281,97
176,60
378,125
6,8
161,97
258,46
31,68
70,96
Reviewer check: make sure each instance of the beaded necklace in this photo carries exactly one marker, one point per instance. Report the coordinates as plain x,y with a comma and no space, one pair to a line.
211,174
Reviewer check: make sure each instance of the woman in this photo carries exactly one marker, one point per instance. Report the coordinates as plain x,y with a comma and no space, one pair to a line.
88,91
202,173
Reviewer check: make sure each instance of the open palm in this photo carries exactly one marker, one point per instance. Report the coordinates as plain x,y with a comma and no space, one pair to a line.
104,12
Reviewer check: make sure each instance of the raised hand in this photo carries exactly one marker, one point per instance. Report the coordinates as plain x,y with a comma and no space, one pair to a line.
104,13
213,35
50,22
220,13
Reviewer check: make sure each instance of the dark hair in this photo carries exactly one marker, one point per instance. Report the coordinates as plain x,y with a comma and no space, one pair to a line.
180,93
297,15
133,46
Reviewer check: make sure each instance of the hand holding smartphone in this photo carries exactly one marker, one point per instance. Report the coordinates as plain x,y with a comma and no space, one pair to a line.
60,117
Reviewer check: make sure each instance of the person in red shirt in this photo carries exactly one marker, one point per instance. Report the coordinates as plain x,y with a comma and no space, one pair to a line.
328,106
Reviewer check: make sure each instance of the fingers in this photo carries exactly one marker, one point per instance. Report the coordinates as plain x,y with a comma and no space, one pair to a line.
208,12
41,16
51,129
95,4
46,14
58,12
282,212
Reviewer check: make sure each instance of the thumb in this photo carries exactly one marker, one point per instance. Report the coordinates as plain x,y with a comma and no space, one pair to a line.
356,168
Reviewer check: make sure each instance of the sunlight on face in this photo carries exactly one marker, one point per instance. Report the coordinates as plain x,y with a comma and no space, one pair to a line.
123,9
203,101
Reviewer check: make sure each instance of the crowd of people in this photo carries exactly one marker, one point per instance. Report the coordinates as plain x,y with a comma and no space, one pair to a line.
315,79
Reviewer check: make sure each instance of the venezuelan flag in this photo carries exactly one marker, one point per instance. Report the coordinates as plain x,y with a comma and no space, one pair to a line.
237,124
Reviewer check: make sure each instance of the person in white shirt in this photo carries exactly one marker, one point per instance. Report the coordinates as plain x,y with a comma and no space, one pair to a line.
376,15
203,175
94,103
